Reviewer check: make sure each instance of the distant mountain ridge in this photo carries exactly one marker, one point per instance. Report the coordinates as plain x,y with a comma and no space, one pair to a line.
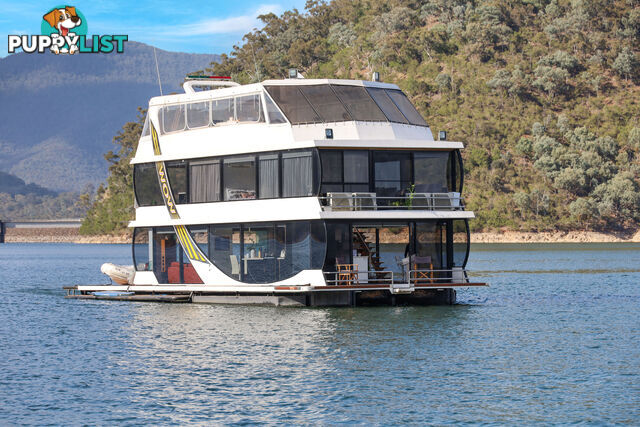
12,185
60,113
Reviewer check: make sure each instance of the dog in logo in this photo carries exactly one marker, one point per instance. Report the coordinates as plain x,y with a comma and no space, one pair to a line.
63,20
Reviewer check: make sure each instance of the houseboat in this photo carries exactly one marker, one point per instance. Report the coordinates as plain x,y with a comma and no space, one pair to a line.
295,192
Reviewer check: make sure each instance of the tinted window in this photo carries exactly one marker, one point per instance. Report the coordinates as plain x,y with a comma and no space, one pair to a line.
331,166
173,118
239,178
197,115
326,103
406,107
359,103
392,174
431,172
141,248
178,179
387,106
146,185
293,104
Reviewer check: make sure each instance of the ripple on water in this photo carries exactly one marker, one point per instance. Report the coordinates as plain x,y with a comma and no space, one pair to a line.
553,340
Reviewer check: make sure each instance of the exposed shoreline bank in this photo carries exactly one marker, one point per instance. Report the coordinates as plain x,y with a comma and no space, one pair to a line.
71,235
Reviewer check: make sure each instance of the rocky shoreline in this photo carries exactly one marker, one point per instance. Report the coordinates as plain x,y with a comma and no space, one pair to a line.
71,235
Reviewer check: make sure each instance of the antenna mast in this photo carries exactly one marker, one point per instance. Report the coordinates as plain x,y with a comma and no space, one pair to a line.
157,69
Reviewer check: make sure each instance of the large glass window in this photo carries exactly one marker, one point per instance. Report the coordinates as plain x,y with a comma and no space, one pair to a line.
431,172
222,111
173,118
225,249
387,106
239,177
145,181
356,171
198,115
297,174
392,172
204,181
326,103
460,243
178,180
166,255
359,103
294,105
269,176
267,253
406,107
142,255
430,245
249,109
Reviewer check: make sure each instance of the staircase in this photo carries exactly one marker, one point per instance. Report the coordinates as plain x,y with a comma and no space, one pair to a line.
363,247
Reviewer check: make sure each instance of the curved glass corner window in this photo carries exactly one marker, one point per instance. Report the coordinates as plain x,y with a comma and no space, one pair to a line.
326,103
173,118
222,111
458,170
460,243
197,115
406,107
275,116
431,171
298,169
249,109
142,251
266,253
359,104
239,178
146,128
293,104
145,183
387,106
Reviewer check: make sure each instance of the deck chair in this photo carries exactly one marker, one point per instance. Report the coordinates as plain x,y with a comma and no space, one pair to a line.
419,274
364,201
340,201
347,274
422,201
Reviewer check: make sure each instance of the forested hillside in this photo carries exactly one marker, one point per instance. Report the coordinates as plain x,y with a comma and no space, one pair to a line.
544,93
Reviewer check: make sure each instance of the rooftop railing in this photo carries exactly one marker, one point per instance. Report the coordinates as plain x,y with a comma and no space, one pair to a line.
345,201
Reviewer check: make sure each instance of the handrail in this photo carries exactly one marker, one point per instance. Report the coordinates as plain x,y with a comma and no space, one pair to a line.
415,277
338,201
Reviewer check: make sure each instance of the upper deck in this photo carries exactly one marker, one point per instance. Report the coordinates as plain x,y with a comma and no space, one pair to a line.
282,115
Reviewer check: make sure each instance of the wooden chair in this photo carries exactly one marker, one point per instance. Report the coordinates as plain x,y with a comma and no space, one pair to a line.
347,274
420,275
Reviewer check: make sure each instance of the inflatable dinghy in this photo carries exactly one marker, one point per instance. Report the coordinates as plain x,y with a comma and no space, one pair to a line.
120,274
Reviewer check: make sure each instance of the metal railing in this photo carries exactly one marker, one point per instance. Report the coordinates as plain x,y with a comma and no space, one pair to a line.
380,277
344,201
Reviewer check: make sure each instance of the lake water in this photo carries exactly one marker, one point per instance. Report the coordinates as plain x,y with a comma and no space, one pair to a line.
555,339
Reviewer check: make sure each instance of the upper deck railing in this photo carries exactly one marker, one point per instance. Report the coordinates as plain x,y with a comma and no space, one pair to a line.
345,201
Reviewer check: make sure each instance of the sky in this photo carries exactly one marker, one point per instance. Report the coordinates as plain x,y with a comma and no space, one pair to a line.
203,26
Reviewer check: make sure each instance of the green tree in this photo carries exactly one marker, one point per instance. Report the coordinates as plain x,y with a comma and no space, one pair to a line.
113,205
